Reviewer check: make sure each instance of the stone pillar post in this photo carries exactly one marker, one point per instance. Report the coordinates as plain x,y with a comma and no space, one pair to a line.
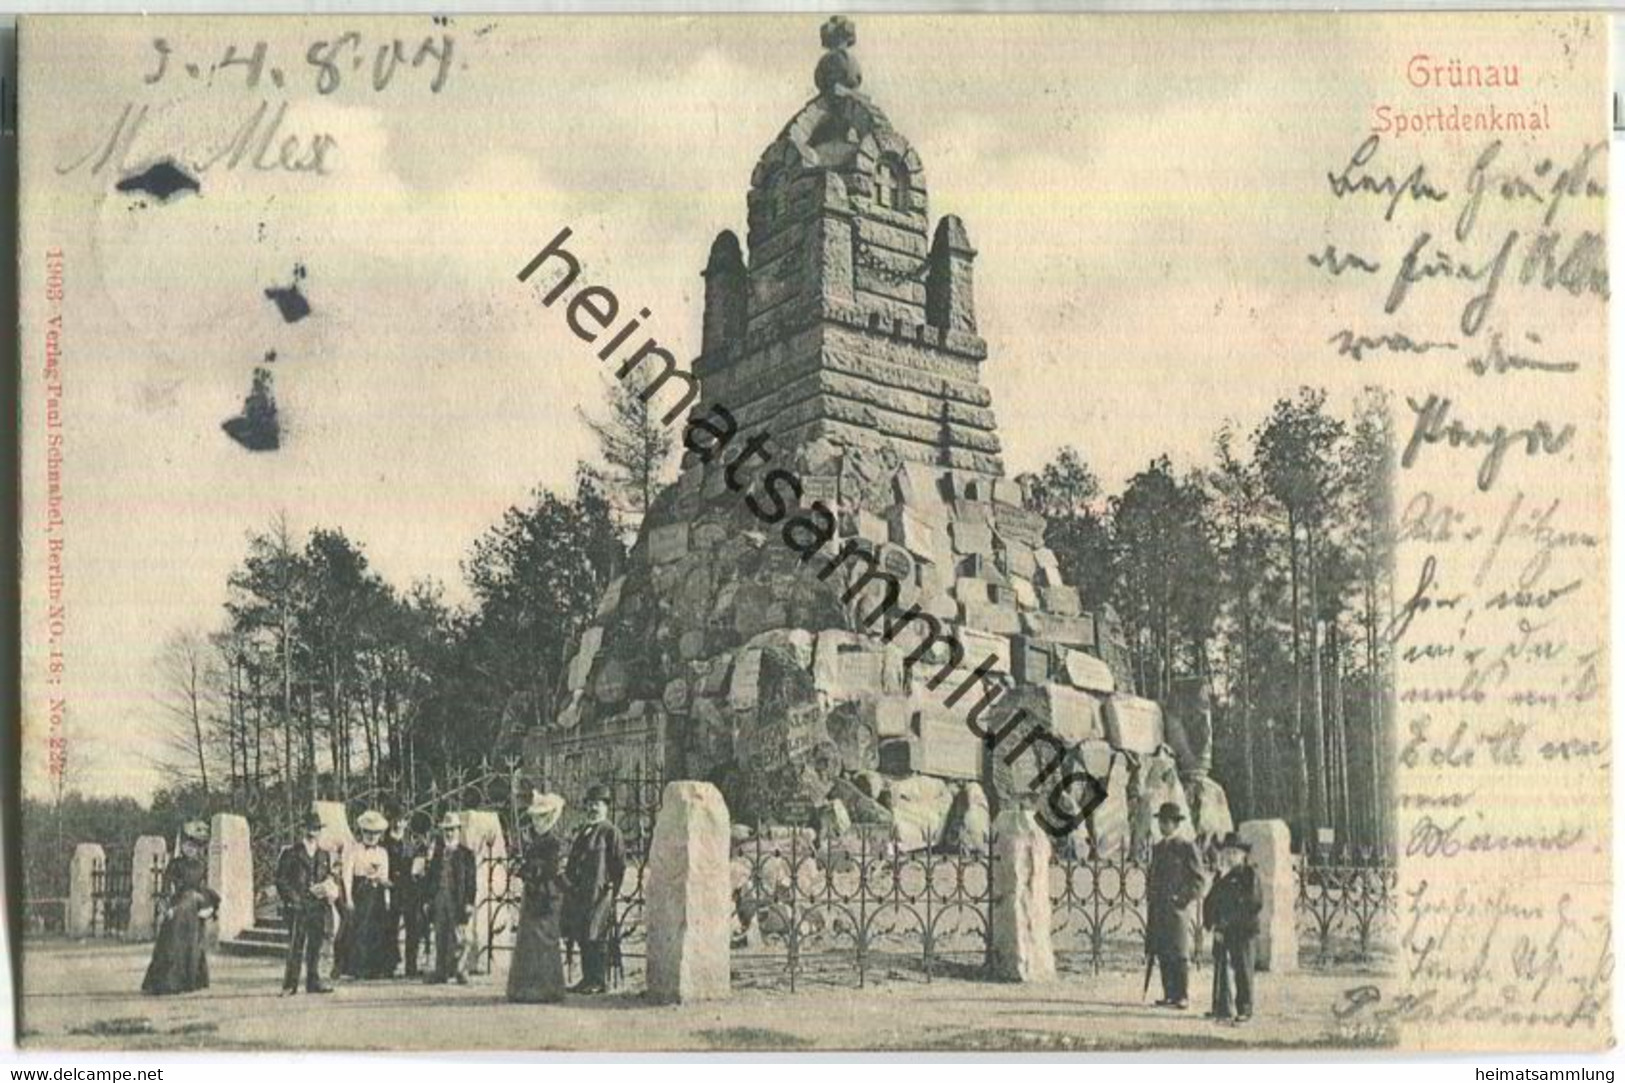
150,853
231,873
689,907
87,859
1271,855
491,930
1021,948
335,838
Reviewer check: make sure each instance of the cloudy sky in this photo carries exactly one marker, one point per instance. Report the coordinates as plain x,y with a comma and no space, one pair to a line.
1142,192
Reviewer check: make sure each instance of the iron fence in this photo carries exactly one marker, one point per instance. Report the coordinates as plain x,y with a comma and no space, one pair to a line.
110,890
1347,905
1098,910
159,890
837,911
834,911
842,910
634,801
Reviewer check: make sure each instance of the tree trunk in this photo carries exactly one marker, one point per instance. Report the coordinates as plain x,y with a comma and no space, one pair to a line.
1249,768
1374,705
287,706
1336,735
1307,801
1319,782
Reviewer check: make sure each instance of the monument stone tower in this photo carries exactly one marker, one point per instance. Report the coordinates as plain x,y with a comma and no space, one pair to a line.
843,338
853,320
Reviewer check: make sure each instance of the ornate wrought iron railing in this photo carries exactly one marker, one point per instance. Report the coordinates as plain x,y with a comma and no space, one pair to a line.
634,803
838,909
1347,904
497,911
841,910
159,892
110,890
1098,909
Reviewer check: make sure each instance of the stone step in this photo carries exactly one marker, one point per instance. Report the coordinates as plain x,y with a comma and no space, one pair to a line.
261,935
254,948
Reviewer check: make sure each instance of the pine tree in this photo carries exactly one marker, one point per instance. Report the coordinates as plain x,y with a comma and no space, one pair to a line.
636,449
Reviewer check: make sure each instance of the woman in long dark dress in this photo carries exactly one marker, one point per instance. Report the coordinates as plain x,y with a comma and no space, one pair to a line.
537,973
371,946
180,963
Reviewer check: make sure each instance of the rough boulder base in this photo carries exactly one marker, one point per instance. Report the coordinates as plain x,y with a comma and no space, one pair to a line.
690,904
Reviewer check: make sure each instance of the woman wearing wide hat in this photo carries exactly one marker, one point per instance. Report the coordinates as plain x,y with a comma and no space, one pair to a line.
180,963
537,973
370,948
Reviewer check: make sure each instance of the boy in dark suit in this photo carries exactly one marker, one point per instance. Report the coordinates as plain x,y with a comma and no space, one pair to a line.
305,885
1231,910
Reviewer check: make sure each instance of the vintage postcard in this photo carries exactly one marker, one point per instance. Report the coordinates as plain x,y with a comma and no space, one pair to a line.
1029,533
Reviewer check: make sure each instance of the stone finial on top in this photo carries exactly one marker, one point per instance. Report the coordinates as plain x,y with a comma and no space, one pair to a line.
838,32
838,68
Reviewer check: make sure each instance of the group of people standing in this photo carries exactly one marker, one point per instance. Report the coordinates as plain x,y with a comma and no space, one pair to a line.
382,898
384,893
568,895
1230,909
389,891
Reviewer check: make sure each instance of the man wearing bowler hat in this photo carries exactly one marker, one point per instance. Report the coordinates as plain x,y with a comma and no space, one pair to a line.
593,875
1172,888
306,885
1231,910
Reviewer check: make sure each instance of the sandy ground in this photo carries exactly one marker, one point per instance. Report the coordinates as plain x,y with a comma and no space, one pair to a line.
86,996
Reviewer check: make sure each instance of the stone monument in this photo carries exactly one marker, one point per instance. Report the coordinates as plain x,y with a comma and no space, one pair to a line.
1019,945
148,859
493,926
690,905
1271,855
840,428
231,873
88,859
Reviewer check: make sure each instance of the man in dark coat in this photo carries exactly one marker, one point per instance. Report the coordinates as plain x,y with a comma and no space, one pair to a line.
451,880
1231,910
408,867
593,875
306,887
1172,888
